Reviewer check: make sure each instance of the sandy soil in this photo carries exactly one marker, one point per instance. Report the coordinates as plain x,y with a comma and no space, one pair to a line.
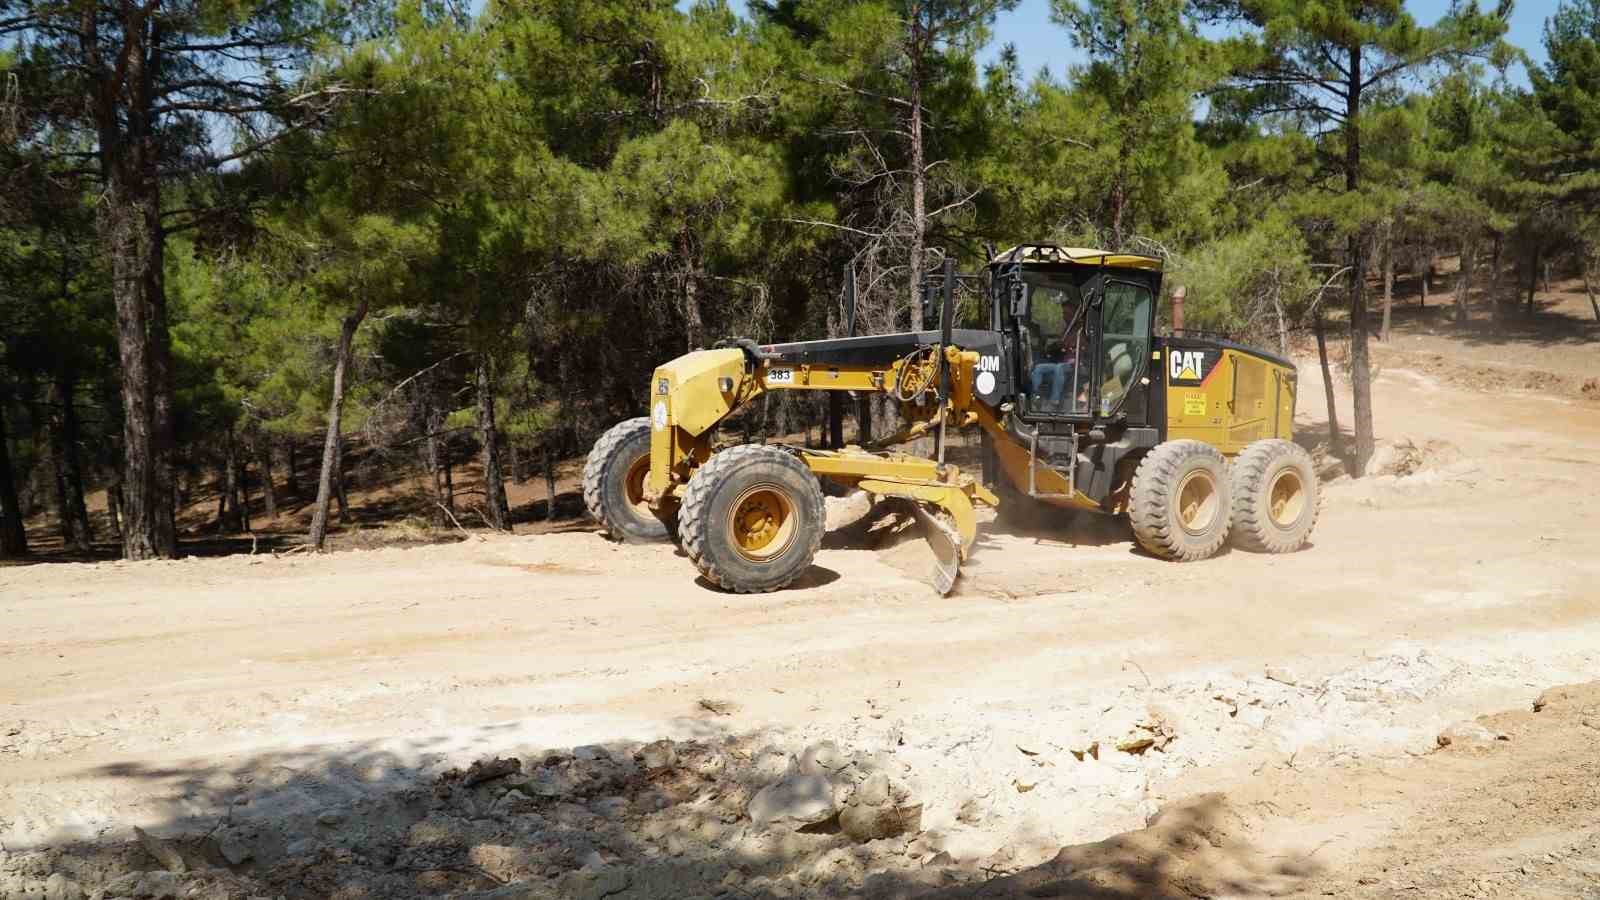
1282,714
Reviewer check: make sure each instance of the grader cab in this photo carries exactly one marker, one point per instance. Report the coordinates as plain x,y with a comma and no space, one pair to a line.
1080,404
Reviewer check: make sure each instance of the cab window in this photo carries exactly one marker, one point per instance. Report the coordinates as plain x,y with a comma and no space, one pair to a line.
1058,354
1125,342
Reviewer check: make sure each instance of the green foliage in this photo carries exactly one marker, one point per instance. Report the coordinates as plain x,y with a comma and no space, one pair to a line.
568,191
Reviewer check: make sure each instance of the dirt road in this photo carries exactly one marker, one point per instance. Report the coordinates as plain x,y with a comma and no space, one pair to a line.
156,694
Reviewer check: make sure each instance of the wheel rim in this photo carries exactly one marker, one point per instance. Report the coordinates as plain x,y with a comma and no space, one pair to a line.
1286,498
633,485
762,522
1198,503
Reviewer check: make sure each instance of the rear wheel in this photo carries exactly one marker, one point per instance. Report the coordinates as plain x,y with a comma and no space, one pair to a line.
1275,497
1181,501
752,518
614,477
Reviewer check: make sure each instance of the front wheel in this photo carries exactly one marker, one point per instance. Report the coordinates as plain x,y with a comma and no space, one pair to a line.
752,518
1275,497
1181,501
613,484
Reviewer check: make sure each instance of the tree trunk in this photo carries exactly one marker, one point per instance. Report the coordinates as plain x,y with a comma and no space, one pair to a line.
519,469
1360,369
1426,280
1327,381
13,537
330,443
449,478
549,483
291,481
224,496
229,512
1469,250
269,491
919,175
1588,288
1533,276
71,511
241,482
1388,281
114,506
494,483
131,237
436,452
693,323
864,419
835,420
339,482
1283,321
1494,283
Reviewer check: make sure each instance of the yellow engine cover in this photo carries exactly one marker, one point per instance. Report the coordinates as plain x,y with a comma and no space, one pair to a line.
1226,397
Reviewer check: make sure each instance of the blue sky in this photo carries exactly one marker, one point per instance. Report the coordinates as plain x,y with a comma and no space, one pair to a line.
1040,43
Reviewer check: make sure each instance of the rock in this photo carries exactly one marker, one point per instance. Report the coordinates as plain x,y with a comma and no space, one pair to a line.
489,769
511,801
971,812
154,886
704,761
873,792
1464,734
591,753
330,819
592,860
302,847
769,765
234,849
795,801
58,887
123,885
610,808
1282,676
872,823
161,851
571,815
878,810
823,758
657,755
552,781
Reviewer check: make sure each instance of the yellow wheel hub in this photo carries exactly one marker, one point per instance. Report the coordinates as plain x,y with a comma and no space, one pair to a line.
1286,499
762,522
1197,502
633,485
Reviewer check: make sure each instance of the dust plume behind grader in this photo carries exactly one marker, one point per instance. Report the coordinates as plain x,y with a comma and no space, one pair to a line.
1080,405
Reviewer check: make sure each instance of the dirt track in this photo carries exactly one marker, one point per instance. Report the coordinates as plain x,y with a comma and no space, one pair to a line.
151,694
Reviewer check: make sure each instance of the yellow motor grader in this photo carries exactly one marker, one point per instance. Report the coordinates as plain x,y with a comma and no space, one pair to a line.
1080,404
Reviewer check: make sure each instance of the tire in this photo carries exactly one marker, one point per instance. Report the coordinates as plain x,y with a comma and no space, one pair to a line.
752,518
612,480
1275,497
1181,501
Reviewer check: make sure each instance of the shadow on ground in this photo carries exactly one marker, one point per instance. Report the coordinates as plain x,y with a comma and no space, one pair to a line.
625,820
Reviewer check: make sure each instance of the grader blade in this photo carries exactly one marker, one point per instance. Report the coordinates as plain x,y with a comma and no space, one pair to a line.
946,546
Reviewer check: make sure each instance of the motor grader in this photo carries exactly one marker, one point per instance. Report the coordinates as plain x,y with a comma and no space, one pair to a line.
1080,404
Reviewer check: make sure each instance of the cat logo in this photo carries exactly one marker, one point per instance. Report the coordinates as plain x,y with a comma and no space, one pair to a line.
1190,365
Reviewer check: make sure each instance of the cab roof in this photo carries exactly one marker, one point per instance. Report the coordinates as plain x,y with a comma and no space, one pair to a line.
1076,256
